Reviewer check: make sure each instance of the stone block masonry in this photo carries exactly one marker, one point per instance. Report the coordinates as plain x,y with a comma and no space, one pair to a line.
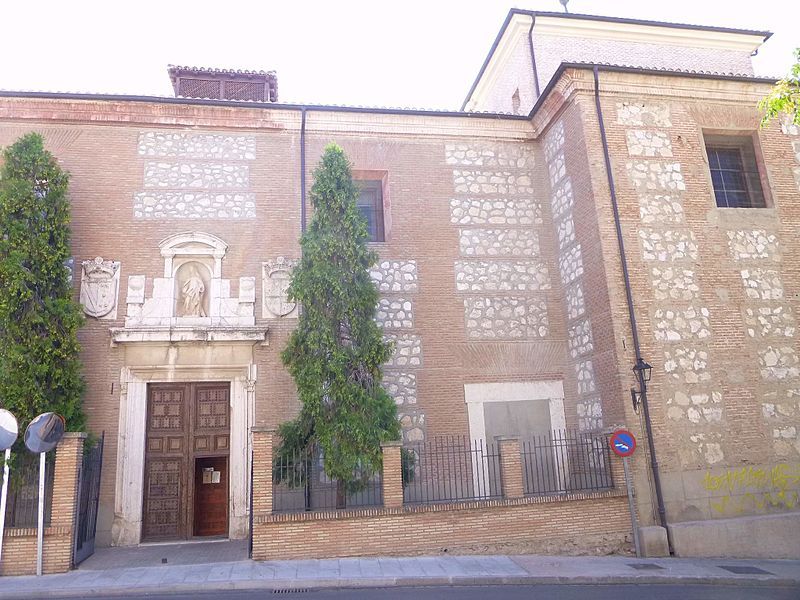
681,324
580,340
398,283
195,176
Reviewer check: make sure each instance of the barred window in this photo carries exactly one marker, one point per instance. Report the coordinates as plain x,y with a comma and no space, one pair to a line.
734,172
370,203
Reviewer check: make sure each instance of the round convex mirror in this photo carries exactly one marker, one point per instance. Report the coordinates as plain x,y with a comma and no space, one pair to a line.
44,432
8,429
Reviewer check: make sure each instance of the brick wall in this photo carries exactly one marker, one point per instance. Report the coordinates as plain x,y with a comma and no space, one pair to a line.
582,523
20,544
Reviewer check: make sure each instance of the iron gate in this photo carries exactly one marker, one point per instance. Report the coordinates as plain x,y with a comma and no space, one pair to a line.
88,499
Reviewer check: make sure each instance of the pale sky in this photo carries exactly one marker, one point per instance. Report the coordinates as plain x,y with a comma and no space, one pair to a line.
410,53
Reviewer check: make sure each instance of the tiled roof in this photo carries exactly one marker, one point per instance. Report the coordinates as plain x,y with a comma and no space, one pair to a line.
208,70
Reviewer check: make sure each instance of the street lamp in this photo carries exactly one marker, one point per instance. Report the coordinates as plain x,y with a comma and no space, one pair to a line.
643,372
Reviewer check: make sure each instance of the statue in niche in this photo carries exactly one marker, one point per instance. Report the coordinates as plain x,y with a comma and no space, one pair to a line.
193,290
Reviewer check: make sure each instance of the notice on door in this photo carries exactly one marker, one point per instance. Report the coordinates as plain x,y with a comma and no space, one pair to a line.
210,475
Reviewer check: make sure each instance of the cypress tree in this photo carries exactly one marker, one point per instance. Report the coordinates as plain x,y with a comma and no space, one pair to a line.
336,353
40,368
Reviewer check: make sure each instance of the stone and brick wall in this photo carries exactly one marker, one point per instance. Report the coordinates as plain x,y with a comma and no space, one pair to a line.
714,294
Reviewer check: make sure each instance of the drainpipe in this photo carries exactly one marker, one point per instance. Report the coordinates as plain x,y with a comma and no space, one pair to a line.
533,58
303,170
662,513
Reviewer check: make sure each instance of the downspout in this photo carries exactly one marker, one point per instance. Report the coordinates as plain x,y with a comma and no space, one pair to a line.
662,513
533,58
303,170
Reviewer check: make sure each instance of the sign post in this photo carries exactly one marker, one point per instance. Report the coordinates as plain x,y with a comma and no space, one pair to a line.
623,444
8,435
41,436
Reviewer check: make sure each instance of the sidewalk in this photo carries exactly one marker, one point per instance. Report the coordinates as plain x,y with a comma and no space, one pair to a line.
412,571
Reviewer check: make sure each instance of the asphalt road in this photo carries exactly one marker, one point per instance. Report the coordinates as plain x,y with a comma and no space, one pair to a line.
508,592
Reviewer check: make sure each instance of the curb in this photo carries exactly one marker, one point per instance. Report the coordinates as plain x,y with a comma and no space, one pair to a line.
386,582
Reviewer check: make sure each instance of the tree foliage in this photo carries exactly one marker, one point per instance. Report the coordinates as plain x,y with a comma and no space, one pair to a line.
784,97
40,369
336,353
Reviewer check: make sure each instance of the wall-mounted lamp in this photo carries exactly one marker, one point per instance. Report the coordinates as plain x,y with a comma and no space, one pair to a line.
643,370
643,373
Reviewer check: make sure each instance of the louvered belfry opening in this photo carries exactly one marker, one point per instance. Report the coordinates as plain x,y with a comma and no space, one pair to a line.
221,84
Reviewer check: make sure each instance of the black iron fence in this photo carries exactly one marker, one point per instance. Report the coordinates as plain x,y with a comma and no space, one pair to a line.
22,503
300,484
566,461
451,469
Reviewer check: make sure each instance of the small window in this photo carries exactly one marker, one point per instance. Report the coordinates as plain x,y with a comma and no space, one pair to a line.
734,172
370,203
515,102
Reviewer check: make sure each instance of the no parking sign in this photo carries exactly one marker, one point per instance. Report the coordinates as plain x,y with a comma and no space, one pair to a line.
623,443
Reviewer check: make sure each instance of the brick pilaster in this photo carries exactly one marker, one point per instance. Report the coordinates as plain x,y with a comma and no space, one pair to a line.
263,439
66,479
392,474
511,467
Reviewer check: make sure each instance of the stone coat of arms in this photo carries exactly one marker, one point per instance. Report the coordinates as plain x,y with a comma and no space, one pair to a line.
100,288
276,277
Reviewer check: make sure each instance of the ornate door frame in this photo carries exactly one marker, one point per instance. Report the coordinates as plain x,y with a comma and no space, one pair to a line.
129,491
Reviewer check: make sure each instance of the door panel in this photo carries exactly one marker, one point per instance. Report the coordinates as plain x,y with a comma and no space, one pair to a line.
188,425
165,463
211,496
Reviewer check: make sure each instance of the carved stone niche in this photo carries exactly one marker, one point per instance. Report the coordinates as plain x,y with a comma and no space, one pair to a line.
100,288
276,275
192,292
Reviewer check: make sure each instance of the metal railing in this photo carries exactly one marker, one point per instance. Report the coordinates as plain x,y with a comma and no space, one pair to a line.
22,504
451,469
301,485
566,461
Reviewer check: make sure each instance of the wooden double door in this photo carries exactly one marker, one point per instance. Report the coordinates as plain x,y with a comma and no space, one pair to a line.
186,461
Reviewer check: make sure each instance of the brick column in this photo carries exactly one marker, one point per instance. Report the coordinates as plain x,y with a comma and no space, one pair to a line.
66,478
511,467
262,470
392,474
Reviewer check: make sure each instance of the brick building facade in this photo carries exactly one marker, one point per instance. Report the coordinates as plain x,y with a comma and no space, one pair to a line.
500,268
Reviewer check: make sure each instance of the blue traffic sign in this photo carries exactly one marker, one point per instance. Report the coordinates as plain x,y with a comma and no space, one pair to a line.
623,443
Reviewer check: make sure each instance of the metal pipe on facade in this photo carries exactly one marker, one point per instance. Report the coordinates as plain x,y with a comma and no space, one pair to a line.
662,513
533,58
302,170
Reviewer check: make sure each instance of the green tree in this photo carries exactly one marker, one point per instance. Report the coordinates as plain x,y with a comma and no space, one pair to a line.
336,353
40,369
784,97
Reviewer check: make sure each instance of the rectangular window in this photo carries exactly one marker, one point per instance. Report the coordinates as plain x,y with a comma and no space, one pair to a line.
734,172
370,203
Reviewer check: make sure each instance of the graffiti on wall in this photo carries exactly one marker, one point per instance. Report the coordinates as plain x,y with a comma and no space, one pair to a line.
754,489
